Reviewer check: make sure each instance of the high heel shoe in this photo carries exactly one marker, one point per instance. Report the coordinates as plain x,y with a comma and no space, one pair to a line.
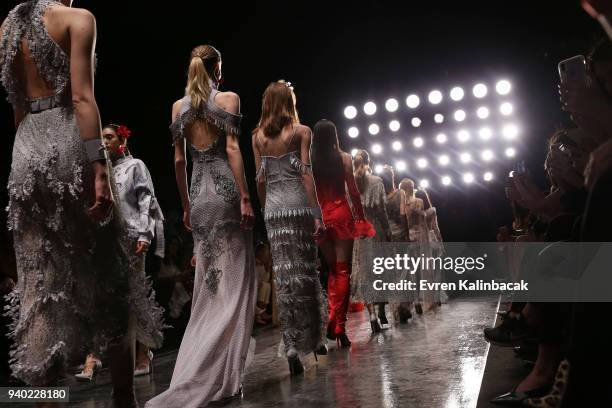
342,340
554,399
516,399
90,370
375,326
148,369
295,365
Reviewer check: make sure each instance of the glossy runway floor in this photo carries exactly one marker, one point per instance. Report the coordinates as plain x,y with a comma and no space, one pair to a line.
436,360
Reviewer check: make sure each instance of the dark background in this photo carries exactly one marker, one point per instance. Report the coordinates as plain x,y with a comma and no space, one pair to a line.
335,53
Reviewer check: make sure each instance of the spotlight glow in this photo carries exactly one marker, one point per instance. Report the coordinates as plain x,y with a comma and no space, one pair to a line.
418,142
468,178
400,165
353,132
350,112
415,122
413,101
376,148
488,176
424,183
435,97
487,155
465,157
373,129
354,152
463,136
480,90
446,180
369,108
397,146
441,138
510,132
394,125
485,133
391,105
506,108
439,118
378,168
457,93
422,163
510,152
503,87
459,115
482,112
444,160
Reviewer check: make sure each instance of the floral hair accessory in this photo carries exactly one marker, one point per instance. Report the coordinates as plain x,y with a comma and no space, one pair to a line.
124,132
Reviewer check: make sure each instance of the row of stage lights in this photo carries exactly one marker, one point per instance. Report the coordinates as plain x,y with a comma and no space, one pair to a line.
460,115
447,180
435,97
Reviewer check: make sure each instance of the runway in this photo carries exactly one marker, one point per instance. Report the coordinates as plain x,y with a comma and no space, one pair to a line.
436,360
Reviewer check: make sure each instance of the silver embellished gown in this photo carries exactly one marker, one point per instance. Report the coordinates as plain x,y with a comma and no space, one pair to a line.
73,293
374,202
290,225
215,346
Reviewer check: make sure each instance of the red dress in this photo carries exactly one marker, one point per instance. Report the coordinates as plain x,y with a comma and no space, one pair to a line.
340,224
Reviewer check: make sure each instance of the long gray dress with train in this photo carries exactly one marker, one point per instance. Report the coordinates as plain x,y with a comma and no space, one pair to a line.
290,225
212,356
74,293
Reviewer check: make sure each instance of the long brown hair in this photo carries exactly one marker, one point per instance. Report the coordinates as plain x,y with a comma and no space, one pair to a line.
204,60
326,156
361,167
277,109
388,178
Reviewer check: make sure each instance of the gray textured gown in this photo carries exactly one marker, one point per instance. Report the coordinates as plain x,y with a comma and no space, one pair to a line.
290,225
213,353
74,292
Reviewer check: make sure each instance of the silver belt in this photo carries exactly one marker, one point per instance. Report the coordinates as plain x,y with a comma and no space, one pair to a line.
43,104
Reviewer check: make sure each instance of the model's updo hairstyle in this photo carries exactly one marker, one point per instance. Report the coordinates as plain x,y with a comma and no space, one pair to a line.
204,59
361,167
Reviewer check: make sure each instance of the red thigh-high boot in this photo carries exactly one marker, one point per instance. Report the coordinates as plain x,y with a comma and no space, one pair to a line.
343,285
332,300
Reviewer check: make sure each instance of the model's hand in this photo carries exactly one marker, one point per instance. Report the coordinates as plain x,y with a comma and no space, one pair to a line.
141,247
246,211
104,198
187,220
319,229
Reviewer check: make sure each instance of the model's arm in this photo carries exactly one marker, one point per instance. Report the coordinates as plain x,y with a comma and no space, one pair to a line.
18,113
82,30
351,185
145,196
236,163
311,192
261,181
180,168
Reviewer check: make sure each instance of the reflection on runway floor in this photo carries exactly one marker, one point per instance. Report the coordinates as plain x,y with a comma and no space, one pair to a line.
436,360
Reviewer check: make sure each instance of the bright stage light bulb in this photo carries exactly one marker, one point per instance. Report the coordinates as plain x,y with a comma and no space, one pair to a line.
350,112
422,163
485,133
424,183
376,148
444,160
378,168
482,112
510,152
506,108
373,129
465,157
394,125
487,155
418,142
354,152
439,118
488,176
400,165
456,93
463,136
480,90
459,115
415,122
413,101
391,105
503,87
397,145
353,132
435,97
510,132
441,138
369,108
468,178
446,180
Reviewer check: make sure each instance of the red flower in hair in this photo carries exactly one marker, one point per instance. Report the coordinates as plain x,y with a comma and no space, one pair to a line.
124,132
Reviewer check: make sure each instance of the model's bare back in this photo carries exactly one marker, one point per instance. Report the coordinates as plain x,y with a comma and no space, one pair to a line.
201,134
279,145
57,21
